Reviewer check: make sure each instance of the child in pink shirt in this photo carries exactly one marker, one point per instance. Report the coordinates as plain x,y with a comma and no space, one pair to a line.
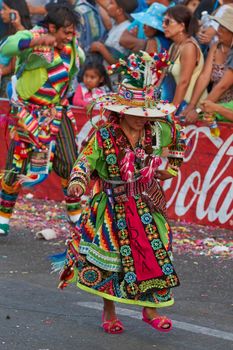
95,83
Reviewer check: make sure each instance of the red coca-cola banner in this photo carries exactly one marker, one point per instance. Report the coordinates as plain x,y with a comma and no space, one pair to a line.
203,191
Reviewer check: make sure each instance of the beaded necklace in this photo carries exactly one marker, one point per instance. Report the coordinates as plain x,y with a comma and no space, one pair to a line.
123,142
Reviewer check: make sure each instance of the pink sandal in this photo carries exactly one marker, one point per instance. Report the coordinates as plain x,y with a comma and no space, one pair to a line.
112,326
158,322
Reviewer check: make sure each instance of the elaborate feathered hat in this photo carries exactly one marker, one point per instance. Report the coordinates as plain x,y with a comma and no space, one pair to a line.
139,92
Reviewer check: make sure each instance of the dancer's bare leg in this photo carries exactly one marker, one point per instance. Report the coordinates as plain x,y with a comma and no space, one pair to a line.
111,324
109,310
152,313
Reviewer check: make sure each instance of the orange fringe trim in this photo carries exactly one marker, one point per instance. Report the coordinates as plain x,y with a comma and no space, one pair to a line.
15,188
5,215
75,212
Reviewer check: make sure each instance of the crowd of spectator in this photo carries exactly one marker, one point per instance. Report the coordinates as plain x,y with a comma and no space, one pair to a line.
197,34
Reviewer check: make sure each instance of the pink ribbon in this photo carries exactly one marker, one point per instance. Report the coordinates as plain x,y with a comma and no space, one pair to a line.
148,172
127,166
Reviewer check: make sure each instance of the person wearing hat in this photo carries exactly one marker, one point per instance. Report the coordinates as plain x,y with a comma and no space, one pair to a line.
227,80
152,21
121,250
208,35
216,68
134,37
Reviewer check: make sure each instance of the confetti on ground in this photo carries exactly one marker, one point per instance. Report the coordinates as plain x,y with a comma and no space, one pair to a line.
193,239
37,215
188,238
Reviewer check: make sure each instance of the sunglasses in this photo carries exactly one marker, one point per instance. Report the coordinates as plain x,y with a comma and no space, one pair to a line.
168,21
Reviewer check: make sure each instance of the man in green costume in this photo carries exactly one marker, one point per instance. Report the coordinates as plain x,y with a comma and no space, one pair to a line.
43,134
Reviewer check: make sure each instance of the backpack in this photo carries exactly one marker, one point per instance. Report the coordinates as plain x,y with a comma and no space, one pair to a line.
92,25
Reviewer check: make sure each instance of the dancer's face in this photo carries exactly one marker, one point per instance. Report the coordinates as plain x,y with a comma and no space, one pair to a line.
63,35
135,123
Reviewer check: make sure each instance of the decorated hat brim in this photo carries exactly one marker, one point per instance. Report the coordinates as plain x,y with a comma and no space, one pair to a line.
223,22
161,110
152,109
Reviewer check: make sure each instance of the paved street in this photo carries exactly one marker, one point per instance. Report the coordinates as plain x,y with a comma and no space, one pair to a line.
35,315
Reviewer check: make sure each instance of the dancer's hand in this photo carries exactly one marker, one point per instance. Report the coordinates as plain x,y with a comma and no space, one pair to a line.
44,40
75,190
163,175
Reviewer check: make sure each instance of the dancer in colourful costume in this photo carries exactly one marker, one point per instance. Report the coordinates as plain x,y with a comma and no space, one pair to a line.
43,131
121,250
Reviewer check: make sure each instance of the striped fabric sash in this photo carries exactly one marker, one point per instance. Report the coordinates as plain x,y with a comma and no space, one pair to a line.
58,78
39,126
58,74
122,187
151,191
